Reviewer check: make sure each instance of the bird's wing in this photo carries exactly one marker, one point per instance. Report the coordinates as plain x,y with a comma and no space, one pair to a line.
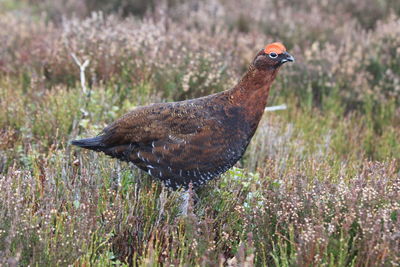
155,122
166,125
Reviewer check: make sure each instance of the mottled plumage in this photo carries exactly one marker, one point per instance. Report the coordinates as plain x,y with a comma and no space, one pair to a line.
195,140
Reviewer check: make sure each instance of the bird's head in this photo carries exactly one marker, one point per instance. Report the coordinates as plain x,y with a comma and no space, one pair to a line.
272,57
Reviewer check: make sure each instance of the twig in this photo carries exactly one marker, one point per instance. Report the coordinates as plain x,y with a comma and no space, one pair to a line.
275,108
82,68
86,92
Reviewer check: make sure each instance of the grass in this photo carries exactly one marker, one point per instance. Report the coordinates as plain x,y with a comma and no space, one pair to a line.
319,184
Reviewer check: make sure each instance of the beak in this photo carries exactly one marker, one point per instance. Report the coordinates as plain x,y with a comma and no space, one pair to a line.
287,57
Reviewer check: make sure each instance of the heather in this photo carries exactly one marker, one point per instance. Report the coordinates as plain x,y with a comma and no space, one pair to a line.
319,184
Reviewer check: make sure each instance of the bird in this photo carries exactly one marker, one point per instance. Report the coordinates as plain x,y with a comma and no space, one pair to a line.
188,143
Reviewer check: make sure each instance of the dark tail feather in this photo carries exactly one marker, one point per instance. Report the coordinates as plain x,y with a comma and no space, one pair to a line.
95,143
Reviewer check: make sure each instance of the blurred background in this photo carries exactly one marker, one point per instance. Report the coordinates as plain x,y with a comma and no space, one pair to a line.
182,48
325,170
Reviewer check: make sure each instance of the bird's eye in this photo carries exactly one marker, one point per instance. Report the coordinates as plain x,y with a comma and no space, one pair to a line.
273,55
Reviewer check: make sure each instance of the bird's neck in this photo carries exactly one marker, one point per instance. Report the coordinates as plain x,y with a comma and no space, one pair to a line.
251,93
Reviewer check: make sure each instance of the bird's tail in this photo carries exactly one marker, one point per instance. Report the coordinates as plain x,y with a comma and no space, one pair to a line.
94,143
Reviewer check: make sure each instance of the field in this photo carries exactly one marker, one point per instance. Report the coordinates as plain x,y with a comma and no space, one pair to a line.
319,184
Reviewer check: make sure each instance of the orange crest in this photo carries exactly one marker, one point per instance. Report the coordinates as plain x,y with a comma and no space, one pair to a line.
278,48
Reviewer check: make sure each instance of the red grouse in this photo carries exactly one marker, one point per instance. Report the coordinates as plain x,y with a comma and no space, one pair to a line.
194,141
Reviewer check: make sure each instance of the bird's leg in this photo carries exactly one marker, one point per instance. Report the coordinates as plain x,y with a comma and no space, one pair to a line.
186,206
162,201
185,196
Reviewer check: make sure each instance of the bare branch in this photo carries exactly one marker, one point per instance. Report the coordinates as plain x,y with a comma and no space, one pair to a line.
82,68
275,108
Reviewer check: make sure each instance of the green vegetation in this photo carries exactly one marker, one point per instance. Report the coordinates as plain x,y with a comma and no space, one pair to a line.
319,184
